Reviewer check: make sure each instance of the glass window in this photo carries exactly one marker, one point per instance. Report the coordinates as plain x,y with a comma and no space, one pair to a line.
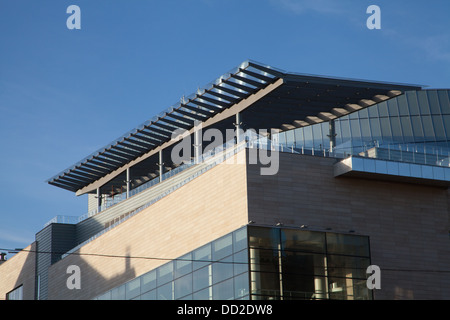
417,128
241,285
347,267
392,107
413,103
317,136
133,288
446,119
289,137
373,111
423,102
444,97
386,129
308,137
118,293
205,294
428,129
303,263
347,244
408,135
240,239
439,128
264,260
202,256
402,105
365,130
376,129
223,290
165,273
309,241
433,102
222,270
240,260
396,129
382,109
264,237
16,294
299,287
222,247
165,292
202,278
183,265
299,137
150,295
183,286
265,284
148,281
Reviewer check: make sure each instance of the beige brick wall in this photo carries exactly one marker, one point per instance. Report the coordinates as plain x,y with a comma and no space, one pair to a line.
206,208
408,224
19,270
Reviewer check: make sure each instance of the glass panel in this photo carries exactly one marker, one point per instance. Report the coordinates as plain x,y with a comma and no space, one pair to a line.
183,286
308,137
365,130
133,288
337,128
347,244
183,265
373,111
239,239
434,104
264,260
165,273
386,129
423,102
402,105
298,287
264,237
265,284
393,107
412,102
202,278
382,109
345,129
444,97
240,260
439,128
164,292
408,135
151,295
350,267
396,129
428,128
376,129
222,247
202,256
118,293
148,281
223,290
289,137
317,136
241,285
309,241
205,294
417,128
299,137
303,263
446,119
222,270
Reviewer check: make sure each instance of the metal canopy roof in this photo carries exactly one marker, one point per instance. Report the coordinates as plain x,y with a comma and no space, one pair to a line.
298,97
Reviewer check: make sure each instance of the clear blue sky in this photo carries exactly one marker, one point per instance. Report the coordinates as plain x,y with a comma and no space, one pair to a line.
65,93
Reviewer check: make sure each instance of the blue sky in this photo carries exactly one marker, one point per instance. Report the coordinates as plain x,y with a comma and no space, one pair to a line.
66,93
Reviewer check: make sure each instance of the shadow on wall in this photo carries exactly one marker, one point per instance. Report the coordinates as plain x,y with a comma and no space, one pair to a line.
76,278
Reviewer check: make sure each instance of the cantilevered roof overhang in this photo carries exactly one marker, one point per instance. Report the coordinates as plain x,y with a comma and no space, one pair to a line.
266,98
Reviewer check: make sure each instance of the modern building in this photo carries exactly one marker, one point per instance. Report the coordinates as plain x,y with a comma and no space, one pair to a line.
276,185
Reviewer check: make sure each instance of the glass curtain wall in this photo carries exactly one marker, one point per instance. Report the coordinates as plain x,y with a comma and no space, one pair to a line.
293,264
416,122
260,263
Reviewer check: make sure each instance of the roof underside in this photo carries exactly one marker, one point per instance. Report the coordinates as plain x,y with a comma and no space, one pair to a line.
300,100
